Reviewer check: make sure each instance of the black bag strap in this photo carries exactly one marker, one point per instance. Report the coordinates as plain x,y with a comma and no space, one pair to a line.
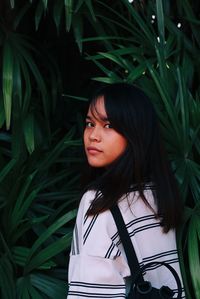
127,244
136,270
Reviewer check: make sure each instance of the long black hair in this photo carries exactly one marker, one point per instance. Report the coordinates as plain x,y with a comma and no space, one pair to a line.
132,114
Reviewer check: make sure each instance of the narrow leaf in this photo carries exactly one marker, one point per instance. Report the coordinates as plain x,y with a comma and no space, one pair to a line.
8,64
28,127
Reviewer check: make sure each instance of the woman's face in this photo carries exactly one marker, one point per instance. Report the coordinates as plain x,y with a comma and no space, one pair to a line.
103,145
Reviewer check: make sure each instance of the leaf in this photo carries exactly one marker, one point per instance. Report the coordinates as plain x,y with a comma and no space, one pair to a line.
7,168
75,97
2,112
20,255
12,3
113,58
52,155
160,21
68,13
51,287
8,64
141,23
45,3
57,12
39,12
183,95
78,30
90,8
49,252
28,127
7,285
22,12
106,80
166,100
78,5
136,73
22,203
57,224
193,252
23,285
182,238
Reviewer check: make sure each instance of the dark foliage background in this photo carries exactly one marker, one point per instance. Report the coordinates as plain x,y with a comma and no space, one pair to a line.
53,55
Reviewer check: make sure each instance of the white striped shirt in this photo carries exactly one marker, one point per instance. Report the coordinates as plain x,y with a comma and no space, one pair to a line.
98,266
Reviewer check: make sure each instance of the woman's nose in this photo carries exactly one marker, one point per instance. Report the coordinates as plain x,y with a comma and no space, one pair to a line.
95,134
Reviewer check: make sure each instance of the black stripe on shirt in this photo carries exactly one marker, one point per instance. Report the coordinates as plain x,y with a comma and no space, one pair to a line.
140,229
97,285
159,255
89,228
93,287
140,219
144,227
96,295
135,221
76,239
110,250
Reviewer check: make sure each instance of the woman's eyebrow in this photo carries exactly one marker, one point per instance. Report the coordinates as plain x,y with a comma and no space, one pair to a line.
102,118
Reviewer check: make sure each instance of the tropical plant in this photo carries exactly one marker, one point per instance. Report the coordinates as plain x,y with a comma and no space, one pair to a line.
39,161
156,46
37,211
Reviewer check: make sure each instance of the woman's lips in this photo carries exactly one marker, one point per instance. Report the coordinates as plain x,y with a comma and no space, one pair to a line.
93,150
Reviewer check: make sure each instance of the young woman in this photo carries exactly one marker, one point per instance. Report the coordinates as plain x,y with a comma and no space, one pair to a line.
127,165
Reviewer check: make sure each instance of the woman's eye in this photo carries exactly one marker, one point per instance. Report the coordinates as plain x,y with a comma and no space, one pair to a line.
89,124
108,126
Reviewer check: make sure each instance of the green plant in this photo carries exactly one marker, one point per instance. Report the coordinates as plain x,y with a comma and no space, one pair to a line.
37,204
39,162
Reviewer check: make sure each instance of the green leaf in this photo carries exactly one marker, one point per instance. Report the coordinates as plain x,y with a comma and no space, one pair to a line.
78,5
12,3
90,7
28,127
141,23
57,12
8,64
22,203
19,17
49,232
49,252
23,285
68,13
7,285
52,155
193,252
110,80
7,168
20,255
160,21
2,112
181,243
51,287
75,97
183,95
166,100
136,72
78,30
45,3
39,12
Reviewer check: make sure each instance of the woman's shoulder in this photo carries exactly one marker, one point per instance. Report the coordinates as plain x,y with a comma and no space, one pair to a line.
133,205
87,198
